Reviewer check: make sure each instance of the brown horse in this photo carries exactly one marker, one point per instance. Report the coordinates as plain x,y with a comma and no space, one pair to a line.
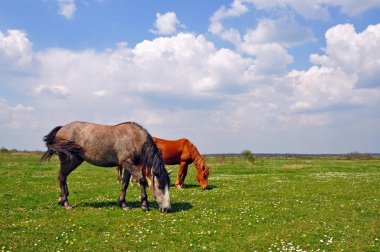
127,145
182,152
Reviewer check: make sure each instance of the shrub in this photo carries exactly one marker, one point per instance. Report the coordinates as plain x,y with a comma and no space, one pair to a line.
357,155
247,154
4,150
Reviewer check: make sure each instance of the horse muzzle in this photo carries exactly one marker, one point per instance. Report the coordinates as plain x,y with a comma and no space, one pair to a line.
165,209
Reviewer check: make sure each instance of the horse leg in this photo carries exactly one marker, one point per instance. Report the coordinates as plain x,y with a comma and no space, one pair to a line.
67,166
144,197
181,175
184,173
131,169
119,172
132,181
125,181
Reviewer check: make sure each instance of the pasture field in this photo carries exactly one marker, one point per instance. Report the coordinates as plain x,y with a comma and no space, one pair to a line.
275,204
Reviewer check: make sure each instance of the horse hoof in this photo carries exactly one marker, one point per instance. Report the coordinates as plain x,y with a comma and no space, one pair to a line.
145,208
124,206
179,187
68,207
165,210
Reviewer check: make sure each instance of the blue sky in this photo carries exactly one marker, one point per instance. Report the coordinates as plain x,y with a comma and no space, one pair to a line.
270,76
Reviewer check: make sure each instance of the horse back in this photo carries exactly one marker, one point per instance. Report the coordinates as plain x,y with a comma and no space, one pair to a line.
105,145
174,151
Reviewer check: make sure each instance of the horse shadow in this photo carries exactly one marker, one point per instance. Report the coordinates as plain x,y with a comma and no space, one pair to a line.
188,186
176,206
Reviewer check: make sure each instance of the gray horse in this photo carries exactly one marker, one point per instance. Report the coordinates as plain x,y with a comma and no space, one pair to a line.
127,145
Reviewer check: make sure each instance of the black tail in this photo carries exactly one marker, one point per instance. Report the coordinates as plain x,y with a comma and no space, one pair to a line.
64,149
151,158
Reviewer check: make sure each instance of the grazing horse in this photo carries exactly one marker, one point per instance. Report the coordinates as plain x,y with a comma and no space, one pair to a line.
183,152
127,145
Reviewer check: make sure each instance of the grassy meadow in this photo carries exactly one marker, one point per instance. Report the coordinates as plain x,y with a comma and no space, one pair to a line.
274,204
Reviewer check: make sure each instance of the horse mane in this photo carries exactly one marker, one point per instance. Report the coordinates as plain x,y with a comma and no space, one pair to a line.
150,157
196,156
134,123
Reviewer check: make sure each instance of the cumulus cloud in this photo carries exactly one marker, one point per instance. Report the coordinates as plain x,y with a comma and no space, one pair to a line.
357,53
271,58
166,24
168,84
67,8
267,43
15,50
236,9
285,31
176,73
351,62
321,88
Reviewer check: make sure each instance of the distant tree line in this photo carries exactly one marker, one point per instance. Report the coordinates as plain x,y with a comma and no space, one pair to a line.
5,150
248,155
357,155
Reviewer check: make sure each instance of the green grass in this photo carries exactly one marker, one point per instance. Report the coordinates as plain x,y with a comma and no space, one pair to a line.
275,204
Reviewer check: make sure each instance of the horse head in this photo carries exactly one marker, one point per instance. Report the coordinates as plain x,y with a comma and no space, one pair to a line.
159,183
202,176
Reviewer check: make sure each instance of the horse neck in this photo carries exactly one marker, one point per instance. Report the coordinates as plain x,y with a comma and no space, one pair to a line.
196,157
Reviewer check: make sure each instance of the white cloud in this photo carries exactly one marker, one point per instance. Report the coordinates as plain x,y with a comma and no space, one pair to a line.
166,24
270,58
182,71
15,50
53,90
354,7
67,8
284,31
312,9
21,107
170,84
351,62
216,27
16,117
100,93
267,43
236,9
320,88
357,53
316,9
